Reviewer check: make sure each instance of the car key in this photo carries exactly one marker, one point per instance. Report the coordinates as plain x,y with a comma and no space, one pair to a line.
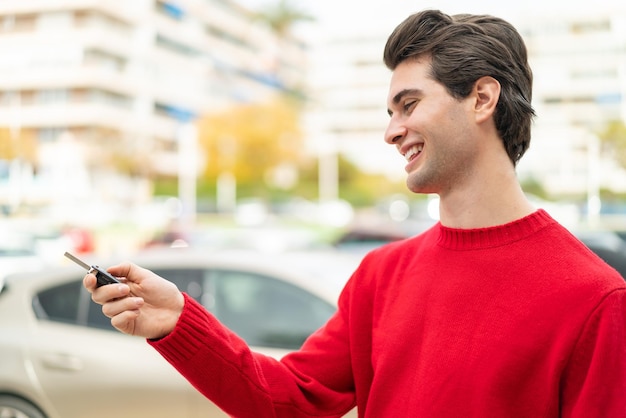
102,276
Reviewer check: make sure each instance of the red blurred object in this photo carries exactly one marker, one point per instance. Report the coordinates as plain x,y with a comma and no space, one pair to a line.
82,240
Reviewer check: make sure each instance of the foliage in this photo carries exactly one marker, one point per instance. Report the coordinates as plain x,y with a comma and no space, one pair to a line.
359,188
23,146
282,16
165,186
251,140
613,138
118,156
533,186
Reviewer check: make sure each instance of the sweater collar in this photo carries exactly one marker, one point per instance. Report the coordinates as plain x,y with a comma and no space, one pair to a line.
496,236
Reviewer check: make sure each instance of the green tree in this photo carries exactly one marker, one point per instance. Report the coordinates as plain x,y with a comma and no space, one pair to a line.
251,140
359,188
282,16
534,186
613,138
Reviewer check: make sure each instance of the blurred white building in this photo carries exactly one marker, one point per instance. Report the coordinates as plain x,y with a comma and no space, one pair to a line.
579,65
348,113
124,75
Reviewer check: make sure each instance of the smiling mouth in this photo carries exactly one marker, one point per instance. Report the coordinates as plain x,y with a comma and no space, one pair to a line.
413,152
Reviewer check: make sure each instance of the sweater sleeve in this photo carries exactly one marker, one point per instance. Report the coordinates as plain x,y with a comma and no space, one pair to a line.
594,383
243,383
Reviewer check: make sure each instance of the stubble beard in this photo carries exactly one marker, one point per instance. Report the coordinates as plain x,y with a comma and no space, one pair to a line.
421,181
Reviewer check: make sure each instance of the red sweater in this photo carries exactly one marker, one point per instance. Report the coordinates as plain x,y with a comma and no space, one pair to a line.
519,320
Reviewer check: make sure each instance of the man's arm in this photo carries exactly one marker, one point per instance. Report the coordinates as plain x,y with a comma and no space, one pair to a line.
594,383
315,381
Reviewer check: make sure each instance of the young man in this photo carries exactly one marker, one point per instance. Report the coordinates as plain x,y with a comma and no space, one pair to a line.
496,311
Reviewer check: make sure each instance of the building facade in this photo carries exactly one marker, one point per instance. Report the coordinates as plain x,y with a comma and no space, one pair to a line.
114,80
579,63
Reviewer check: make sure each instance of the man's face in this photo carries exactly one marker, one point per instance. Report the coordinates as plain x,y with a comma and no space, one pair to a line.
430,128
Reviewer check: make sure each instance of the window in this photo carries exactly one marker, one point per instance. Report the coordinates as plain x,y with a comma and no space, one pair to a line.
49,134
267,312
262,310
176,46
55,21
187,280
70,303
59,303
170,9
52,96
103,60
95,318
7,23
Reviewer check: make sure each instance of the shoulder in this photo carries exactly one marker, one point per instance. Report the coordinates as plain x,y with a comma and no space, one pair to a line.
576,256
561,265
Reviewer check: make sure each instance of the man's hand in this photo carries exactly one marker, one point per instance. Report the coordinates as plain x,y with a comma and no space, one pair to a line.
144,304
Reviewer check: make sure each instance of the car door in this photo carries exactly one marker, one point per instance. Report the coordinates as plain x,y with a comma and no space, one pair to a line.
267,311
88,369
272,315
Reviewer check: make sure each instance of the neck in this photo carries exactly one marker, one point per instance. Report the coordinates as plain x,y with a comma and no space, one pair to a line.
492,199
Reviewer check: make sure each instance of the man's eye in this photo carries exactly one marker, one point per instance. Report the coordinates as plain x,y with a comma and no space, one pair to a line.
408,105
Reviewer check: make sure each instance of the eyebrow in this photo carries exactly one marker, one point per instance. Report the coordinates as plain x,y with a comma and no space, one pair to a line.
400,95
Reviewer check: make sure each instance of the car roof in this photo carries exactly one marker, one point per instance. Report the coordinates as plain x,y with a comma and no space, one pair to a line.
602,238
322,272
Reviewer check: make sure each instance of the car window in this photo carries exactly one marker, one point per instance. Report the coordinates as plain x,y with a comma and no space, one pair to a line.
70,303
60,303
95,317
187,280
262,310
265,311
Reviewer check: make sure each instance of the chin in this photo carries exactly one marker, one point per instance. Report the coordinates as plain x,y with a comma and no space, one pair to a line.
418,187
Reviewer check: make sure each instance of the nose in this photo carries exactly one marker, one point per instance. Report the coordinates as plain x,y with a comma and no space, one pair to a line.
395,132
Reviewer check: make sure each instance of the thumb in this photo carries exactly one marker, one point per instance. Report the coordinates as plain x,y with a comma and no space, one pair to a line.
126,270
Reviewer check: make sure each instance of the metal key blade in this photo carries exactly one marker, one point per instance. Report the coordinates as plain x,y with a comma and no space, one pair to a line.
78,261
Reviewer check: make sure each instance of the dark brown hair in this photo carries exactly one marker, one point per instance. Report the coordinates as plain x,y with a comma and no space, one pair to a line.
464,48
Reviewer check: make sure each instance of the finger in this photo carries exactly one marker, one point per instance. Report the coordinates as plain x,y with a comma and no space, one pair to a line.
119,306
125,321
89,281
128,272
108,293
120,270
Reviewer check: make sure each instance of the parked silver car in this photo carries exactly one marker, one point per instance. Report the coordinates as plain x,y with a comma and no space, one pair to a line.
60,358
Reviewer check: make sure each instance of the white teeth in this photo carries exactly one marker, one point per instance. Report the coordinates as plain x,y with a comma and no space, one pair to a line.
415,149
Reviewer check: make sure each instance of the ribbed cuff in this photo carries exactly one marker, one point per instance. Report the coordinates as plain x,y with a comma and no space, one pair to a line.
186,338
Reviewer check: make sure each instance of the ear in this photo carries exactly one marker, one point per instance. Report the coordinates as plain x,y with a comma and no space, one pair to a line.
487,93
